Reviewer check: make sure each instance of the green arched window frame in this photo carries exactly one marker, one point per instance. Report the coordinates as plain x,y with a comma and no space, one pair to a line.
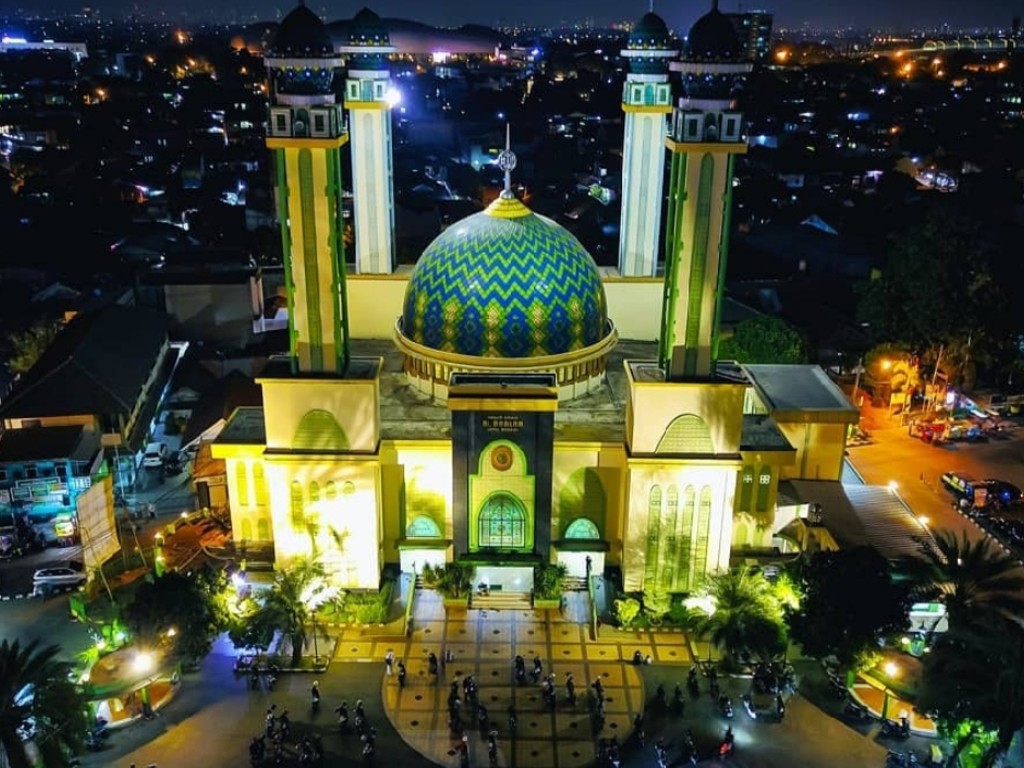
502,523
582,528
423,527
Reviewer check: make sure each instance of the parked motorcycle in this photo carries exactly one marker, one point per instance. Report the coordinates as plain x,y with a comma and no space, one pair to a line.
897,729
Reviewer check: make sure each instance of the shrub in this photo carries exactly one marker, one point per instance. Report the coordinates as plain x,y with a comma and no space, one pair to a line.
548,581
627,612
452,580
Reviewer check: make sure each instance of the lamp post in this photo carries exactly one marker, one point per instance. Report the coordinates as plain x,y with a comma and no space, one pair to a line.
892,670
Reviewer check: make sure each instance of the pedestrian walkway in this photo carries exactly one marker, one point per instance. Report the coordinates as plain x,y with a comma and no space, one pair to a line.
484,644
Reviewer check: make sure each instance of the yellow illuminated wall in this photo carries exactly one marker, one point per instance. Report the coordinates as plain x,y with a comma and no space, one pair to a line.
679,524
249,493
820,449
327,509
427,490
328,415
660,416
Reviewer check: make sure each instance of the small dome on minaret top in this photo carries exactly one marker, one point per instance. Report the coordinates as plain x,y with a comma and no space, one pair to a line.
301,35
712,38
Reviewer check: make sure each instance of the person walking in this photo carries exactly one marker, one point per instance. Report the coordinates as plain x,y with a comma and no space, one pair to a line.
389,661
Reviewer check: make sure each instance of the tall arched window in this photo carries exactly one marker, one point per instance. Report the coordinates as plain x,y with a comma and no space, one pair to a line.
331,490
653,536
259,483
297,506
314,492
242,484
685,558
700,556
668,567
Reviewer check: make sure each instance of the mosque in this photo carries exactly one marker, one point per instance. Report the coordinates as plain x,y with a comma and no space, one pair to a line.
505,423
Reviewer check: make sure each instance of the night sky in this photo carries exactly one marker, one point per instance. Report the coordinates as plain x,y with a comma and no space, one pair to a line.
902,14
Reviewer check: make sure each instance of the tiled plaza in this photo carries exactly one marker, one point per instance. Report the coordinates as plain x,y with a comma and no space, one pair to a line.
484,644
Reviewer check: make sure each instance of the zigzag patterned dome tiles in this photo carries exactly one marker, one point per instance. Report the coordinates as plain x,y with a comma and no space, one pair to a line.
505,283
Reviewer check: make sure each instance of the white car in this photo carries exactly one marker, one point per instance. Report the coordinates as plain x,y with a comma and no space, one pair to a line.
58,577
155,455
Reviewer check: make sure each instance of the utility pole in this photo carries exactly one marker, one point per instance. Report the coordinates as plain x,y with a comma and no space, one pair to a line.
856,380
935,377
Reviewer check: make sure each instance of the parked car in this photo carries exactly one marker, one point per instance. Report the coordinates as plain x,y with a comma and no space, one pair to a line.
155,455
1004,493
58,577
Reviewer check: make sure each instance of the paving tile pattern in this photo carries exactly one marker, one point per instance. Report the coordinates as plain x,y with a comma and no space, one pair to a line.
484,644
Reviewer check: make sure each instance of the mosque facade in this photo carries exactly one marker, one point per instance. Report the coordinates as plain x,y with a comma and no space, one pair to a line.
506,424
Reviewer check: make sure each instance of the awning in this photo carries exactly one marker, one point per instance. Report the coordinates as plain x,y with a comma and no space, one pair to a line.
862,515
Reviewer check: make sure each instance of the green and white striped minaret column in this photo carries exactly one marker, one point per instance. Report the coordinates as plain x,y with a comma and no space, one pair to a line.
706,135
306,132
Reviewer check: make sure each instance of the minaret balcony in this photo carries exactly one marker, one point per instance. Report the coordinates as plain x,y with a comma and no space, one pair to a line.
700,126
320,121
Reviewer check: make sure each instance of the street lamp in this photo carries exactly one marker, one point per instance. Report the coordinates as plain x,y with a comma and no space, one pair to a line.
143,662
892,671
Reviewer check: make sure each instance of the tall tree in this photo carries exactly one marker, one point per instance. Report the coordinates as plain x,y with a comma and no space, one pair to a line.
746,617
188,604
37,696
298,592
28,346
969,578
945,282
850,602
764,339
975,674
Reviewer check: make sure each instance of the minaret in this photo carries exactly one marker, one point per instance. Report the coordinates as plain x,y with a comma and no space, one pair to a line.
646,100
369,98
706,135
306,134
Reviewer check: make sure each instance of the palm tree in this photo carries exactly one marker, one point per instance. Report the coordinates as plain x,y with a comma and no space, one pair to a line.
37,697
975,674
747,617
298,592
967,577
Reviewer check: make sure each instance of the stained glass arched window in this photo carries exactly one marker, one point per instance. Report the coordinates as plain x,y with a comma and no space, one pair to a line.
582,528
502,522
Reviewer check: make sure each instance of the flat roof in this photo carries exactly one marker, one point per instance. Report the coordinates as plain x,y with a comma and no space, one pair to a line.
408,414
245,427
801,393
861,515
41,443
362,368
761,433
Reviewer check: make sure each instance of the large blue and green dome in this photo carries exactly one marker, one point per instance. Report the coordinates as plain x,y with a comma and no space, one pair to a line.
505,283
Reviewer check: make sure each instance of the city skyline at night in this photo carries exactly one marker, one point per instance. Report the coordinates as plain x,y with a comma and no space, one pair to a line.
991,15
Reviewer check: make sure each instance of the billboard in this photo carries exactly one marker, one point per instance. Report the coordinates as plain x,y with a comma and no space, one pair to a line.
96,524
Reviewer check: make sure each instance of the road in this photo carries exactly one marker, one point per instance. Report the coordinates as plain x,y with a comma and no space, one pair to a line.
169,500
48,621
916,467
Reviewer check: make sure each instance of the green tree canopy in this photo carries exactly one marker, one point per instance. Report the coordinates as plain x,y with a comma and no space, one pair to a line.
28,346
850,602
747,614
297,593
948,281
970,578
764,339
975,674
192,605
37,696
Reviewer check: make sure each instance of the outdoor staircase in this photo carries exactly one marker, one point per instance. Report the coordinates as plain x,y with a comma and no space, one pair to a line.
574,584
502,601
